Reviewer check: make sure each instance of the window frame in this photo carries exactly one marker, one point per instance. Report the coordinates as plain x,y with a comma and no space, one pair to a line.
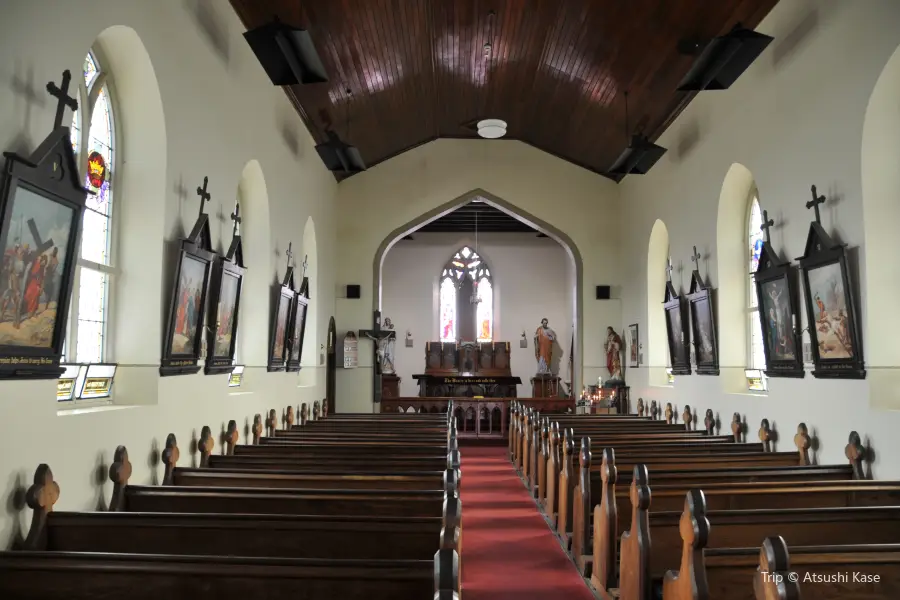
447,272
752,322
87,98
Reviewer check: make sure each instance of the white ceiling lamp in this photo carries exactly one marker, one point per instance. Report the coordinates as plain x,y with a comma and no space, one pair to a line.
492,129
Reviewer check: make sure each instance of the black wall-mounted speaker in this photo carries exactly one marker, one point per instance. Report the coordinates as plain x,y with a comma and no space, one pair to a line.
353,291
602,292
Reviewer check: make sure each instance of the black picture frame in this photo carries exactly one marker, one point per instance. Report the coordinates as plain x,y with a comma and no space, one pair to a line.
676,331
700,301
299,312
39,195
778,307
194,261
827,289
227,285
283,304
633,346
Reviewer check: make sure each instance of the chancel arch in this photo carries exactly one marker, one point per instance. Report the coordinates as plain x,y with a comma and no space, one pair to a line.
310,358
134,203
736,295
466,298
880,154
253,325
507,207
657,350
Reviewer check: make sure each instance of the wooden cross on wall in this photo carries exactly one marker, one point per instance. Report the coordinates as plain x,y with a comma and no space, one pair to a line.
304,264
814,204
695,258
766,225
236,217
376,334
61,93
289,253
204,195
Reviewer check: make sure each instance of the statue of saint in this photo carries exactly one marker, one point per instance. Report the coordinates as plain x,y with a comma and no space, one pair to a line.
613,348
543,346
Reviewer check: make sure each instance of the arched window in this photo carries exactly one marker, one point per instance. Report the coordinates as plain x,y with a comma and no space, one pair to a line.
466,299
756,357
93,139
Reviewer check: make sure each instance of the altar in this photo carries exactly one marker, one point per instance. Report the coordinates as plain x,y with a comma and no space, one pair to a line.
467,369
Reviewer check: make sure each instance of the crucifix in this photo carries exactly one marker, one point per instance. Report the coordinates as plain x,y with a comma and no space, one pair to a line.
380,337
304,265
204,195
236,217
767,223
814,204
669,269
289,253
61,93
695,258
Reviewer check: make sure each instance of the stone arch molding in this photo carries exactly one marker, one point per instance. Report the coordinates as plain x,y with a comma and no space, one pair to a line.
514,211
738,189
657,341
879,154
140,192
253,196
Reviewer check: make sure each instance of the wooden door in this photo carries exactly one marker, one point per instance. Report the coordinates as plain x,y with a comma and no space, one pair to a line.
330,367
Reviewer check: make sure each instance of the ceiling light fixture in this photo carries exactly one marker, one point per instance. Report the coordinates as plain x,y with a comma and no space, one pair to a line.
492,129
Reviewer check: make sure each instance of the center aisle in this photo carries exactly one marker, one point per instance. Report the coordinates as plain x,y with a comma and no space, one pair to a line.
508,551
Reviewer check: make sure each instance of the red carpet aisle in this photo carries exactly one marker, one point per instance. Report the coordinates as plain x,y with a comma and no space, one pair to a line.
508,551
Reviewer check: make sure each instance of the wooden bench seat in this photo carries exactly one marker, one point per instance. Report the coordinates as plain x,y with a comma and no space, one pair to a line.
88,576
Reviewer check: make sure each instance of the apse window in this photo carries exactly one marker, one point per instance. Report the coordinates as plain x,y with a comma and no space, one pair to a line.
466,295
756,356
93,140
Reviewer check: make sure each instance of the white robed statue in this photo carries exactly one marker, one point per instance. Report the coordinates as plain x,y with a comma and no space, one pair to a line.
384,349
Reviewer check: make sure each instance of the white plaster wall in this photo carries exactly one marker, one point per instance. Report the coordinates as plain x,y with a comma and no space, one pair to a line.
373,204
530,282
795,118
219,115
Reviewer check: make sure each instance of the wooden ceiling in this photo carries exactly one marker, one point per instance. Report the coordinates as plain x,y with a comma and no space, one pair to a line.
487,218
556,70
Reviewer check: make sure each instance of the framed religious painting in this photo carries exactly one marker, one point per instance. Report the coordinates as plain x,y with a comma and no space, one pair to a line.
224,304
279,332
298,326
634,346
41,206
774,280
676,331
183,341
830,304
703,326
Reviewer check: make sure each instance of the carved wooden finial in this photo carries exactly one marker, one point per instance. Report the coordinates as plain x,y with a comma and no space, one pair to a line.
640,407
289,417
584,455
774,580
324,408
802,441
316,410
690,579
40,498
568,442
256,428
765,435
272,422
205,445
669,413
231,437
119,474
709,421
856,454
687,417
304,413
736,427
654,410
170,457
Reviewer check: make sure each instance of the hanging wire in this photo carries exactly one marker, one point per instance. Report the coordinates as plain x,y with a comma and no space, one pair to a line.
349,97
627,134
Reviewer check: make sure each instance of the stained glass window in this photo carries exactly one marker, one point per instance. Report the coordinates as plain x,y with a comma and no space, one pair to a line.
93,139
467,263
756,357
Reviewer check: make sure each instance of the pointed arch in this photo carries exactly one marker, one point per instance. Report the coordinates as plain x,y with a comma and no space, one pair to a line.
657,343
310,356
466,298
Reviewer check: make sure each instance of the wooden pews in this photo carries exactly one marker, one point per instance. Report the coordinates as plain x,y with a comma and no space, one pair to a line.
313,511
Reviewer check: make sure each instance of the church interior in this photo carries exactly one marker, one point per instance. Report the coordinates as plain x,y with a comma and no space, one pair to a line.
627,265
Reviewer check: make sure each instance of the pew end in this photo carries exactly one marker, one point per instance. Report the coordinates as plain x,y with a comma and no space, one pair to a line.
856,454
119,474
40,498
634,566
689,582
257,428
604,575
231,437
771,580
205,446
170,457
446,571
